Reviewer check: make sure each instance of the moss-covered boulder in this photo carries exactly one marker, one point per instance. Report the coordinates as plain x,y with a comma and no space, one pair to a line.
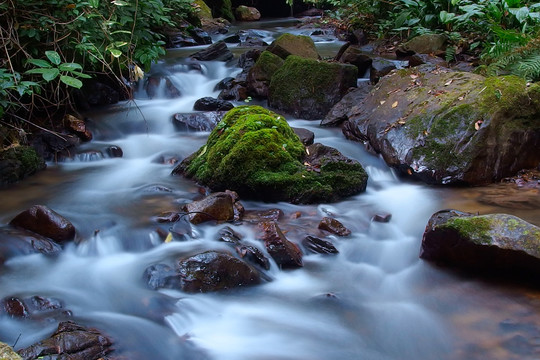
221,9
261,72
447,127
202,10
308,88
254,152
493,244
299,45
16,163
247,13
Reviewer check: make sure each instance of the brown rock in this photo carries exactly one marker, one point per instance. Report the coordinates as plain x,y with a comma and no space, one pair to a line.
319,246
285,253
257,216
217,206
44,221
247,13
334,226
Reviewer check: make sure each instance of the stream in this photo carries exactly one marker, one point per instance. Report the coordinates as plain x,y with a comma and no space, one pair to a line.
375,300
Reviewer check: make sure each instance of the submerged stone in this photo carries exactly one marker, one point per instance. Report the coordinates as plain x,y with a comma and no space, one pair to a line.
254,152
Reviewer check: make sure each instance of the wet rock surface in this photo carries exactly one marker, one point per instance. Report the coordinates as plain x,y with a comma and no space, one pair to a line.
70,341
286,254
215,52
319,246
37,307
215,207
493,244
334,226
46,222
205,121
15,242
212,104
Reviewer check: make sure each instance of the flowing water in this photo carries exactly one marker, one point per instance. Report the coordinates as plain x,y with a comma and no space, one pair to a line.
374,300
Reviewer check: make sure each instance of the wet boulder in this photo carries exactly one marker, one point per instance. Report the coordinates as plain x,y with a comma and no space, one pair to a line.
334,226
285,253
248,252
215,52
205,121
492,244
221,9
308,88
114,151
215,271
215,207
16,241
299,45
257,216
46,222
34,306
423,44
55,147
355,56
446,127
379,68
7,352
19,162
212,104
307,137
70,341
340,112
247,13
261,72
254,152
161,87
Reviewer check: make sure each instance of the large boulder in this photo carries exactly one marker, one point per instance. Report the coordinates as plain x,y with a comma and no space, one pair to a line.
215,207
448,127
247,13
355,56
19,162
423,44
299,45
254,152
46,222
261,72
221,9
308,88
492,244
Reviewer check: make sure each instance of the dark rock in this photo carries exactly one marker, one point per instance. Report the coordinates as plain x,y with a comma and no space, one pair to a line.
13,307
95,93
168,217
211,104
469,130
310,13
248,59
15,242
306,136
55,147
162,276
46,222
238,93
228,235
421,59
253,42
178,39
155,88
357,37
233,39
215,52
334,226
246,13
216,26
226,83
340,112
114,151
319,246
70,341
257,216
214,271
285,253
299,45
77,127
308,88
253,255
379,68
215,207
221,9
382,217
354,56
199,35
494,244
34,306
259,75
19,162
199,121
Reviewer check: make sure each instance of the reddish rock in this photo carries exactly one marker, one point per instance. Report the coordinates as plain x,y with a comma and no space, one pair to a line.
334,226
285,253
319,246
46,222
247,13
217,206
257,216
382,217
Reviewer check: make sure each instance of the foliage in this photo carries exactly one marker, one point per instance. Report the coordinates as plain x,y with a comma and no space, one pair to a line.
49,46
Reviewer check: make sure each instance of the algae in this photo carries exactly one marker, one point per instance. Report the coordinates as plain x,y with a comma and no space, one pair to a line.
474,228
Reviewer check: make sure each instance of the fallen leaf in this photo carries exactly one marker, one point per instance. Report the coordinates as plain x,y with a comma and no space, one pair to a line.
478,124
461,98
169,238
448,82
383,101
395,104
413,76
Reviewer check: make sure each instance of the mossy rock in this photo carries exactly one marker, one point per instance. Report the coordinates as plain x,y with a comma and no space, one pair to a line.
7,353
261,72
493,243
221,9
299,45
308,88
254,152
447,127
18,162
202,10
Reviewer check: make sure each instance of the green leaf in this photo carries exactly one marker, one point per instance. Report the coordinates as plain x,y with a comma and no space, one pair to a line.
53,57
71,81
39,62
120,3
81,75
50,74
115,52
69,67
94,3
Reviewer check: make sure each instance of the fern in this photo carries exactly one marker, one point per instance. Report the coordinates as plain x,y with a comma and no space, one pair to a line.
528,67
508,57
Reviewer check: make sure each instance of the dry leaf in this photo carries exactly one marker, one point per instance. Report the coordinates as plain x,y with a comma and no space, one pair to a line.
478,124
383,101
448,82
413,76
169,238
461,98
395,104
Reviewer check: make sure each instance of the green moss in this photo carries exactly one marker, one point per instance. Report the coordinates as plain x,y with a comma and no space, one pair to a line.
299,45
502,93
18,163
475,228
267,64
255,152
